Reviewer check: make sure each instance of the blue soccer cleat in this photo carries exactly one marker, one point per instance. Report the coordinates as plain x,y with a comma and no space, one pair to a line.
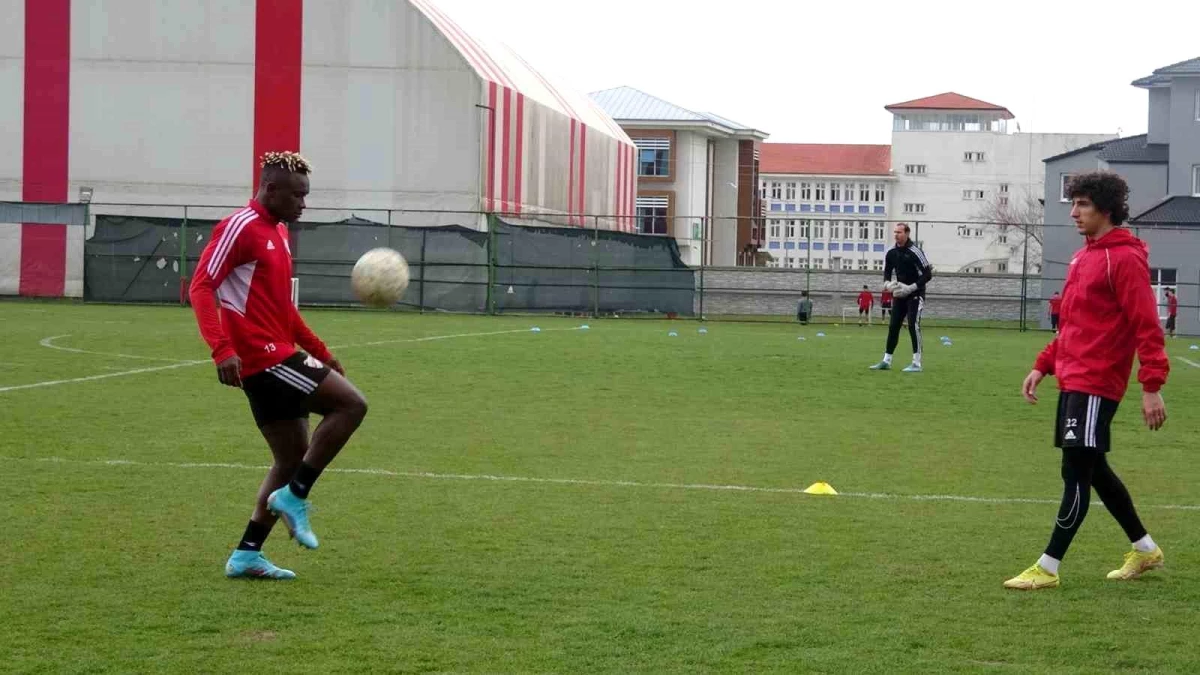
294,512
914,368
253,565
882,365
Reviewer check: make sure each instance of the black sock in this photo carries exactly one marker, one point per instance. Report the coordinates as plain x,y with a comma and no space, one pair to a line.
256,534
303,481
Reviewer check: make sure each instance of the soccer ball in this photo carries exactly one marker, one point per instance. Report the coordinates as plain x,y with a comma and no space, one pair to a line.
380,277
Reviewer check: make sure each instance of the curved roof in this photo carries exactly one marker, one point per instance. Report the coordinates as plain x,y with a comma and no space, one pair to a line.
498,63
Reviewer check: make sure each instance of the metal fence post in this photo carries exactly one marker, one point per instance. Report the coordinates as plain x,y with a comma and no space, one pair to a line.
183,247
491,264
1025,279
421,295
595,268
703,260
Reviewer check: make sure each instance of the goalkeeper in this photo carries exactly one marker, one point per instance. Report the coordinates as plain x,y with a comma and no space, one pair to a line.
912,271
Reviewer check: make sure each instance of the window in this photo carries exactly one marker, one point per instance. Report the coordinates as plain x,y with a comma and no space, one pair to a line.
1002,267
975,270
776,190
877,265
974,156
1002,239
972,194
820,196
915,169
880,192
791,192
835,230
835,192
819,230
762,190
654,156
806,192
1004,188
1198,105
804,229
914,208
864,230
848,229
1065,194
774,229
791,229
862,264
652,214
818,263
864,192
1003,200
849,192
879,233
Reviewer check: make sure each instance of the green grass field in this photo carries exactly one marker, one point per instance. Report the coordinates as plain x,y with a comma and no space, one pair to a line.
564,501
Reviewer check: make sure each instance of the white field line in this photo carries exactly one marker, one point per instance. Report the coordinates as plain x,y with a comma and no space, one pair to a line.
580,481
48,342
1189,362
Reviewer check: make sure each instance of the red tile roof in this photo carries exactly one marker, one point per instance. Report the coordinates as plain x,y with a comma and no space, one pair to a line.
949,101
828,159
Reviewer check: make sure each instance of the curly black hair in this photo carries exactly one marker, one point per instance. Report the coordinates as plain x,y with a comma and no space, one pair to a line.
1107,190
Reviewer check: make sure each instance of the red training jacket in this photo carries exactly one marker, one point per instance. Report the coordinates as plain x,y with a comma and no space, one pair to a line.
1172,304
1056,305
247,268
865,300
1108,312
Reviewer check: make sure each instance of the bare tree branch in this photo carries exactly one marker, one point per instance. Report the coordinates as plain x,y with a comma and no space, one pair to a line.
1011,220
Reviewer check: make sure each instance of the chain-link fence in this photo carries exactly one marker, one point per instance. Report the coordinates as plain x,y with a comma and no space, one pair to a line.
755,269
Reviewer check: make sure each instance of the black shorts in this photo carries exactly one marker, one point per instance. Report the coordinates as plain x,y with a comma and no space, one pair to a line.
1171,322
1084,421
886,305
281,392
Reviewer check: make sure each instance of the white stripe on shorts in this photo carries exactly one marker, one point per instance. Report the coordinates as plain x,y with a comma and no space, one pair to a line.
293,378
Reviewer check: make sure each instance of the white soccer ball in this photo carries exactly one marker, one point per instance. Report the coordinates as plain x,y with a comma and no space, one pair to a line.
380,277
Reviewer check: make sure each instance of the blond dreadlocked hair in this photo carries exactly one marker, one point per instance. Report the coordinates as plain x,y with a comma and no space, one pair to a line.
291,161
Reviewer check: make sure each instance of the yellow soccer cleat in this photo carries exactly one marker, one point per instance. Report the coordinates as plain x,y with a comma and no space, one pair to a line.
1138,563
1032,579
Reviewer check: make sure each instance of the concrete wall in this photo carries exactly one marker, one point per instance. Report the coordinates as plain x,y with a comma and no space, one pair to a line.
1178,249
1159,130
725,204
1185,134
12,100
1147,184
766,291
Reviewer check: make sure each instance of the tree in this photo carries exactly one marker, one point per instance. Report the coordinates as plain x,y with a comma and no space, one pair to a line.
1010,220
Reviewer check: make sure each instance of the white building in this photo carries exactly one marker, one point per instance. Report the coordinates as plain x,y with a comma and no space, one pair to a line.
826,206
696,176
956,163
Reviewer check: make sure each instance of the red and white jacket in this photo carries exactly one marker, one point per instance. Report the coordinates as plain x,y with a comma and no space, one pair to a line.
1109,312
246,269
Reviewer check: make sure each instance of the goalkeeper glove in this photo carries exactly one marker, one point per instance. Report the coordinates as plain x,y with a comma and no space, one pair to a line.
905,290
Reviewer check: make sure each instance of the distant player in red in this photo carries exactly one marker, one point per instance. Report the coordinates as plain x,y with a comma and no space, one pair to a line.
1172,310
865,302
246,270
885,303
1109,314
1055,309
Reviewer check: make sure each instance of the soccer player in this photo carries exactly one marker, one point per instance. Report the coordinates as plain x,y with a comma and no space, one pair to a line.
1172,310
246,268
1055,310
804,308
1109,312
885,302
913,271
865,302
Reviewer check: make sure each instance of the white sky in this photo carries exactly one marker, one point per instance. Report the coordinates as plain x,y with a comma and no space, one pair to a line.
821,72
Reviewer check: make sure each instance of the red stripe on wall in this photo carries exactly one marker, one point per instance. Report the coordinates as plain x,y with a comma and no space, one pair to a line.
47,100
278,33
46,145
491,152
519,164
505,152
583,205
483,60
43,259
